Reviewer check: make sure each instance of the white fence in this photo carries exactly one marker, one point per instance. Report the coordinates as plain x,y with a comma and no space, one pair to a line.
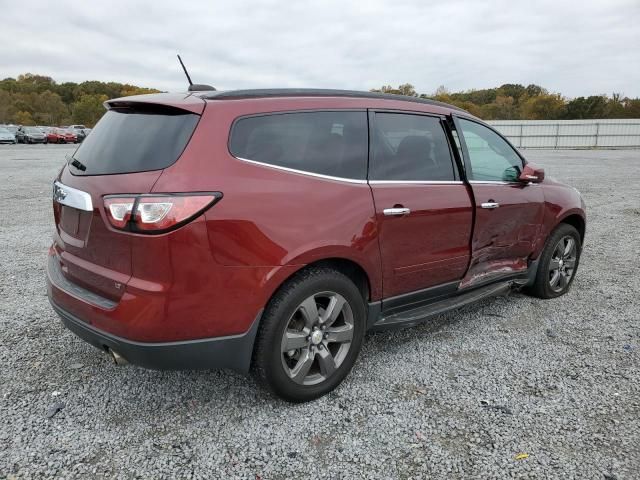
624,133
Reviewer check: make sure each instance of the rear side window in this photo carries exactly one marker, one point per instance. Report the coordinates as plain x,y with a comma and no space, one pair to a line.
327,143
410,147
135,140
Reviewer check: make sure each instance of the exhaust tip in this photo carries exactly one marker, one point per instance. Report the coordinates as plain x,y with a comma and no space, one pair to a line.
117,358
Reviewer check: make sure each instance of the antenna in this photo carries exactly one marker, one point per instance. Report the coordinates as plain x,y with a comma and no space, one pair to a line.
192,87
185,70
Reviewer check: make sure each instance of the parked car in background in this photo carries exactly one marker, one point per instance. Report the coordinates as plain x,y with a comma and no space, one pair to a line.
12,128
6,136
55,135
268,230
80,130
69,131
30,135
61,135
70,135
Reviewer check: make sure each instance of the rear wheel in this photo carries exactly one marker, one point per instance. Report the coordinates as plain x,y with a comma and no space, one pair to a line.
310,335
558,263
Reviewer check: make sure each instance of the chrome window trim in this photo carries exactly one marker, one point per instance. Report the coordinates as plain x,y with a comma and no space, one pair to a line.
416,182
351,180
72,197
302,172
493,182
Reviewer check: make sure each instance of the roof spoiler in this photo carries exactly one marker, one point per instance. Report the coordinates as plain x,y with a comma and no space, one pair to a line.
186,102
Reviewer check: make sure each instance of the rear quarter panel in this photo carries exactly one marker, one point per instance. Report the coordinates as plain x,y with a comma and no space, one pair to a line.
271,219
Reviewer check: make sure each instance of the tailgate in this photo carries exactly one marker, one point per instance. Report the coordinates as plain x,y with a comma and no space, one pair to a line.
91,253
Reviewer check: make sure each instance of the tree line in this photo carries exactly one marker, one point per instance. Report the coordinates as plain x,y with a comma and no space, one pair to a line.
39,100
517,102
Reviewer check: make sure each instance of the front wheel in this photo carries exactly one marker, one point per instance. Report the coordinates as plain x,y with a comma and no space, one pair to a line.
558,263
310,335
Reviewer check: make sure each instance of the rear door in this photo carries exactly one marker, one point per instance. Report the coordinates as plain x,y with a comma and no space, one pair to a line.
423,209
508,213
125,154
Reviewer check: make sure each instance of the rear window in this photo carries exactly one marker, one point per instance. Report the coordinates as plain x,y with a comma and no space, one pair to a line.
328,143
135,140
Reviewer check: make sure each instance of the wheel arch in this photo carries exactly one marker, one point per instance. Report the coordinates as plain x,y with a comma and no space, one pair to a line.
576,221
350,268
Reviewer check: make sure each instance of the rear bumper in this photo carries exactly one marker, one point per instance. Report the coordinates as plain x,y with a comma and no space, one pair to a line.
232,352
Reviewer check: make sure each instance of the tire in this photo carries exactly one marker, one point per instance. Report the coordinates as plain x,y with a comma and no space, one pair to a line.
553,282
315,364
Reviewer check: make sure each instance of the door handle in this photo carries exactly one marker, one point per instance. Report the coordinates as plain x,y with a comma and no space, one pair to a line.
490,205
391,212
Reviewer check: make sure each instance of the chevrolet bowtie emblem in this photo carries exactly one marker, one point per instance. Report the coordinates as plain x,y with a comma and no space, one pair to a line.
59,193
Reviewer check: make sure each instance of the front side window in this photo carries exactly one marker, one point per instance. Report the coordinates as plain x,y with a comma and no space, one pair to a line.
491,157
411,148
328,143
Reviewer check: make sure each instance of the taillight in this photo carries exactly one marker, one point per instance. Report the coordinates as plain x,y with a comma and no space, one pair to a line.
156,213
119,210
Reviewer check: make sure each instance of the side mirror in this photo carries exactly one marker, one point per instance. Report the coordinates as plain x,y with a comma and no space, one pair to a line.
531,174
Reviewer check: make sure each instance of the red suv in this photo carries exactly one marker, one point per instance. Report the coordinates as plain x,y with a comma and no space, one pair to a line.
268,230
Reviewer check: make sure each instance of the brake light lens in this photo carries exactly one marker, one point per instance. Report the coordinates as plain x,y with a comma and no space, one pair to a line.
156,213
119,210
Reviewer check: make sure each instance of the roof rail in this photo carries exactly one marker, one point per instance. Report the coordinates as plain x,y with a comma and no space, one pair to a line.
316,92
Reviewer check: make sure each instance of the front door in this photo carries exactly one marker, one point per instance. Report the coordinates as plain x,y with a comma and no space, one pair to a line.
423,209
509,213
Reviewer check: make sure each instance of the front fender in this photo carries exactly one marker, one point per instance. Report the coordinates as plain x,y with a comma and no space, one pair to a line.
561,202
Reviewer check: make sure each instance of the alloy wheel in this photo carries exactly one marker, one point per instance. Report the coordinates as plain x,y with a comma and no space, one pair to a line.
317,338
563,263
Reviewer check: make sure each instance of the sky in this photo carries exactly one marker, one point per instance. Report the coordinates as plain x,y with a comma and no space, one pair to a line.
575,48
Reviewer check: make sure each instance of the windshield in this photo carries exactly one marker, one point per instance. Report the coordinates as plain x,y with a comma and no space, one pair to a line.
135,140
32,130
4,131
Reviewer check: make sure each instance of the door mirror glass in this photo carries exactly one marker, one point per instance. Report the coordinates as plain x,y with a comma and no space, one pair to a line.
512,174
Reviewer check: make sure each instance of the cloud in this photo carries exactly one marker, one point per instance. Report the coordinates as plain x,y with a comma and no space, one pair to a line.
575,48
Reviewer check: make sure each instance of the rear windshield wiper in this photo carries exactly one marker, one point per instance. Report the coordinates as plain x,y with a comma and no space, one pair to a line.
78,164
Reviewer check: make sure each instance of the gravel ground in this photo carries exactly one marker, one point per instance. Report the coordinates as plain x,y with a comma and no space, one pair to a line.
513,386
